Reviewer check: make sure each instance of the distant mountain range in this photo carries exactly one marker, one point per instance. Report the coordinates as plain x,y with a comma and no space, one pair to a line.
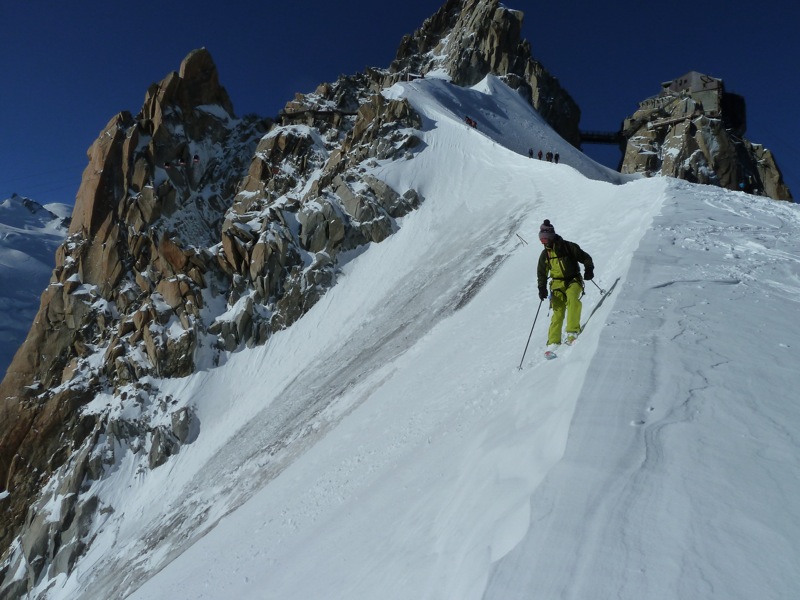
29,236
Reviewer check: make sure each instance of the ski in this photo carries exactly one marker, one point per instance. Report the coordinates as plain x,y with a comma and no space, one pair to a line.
550,355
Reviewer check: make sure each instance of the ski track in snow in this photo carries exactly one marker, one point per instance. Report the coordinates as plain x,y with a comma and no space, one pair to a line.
307,409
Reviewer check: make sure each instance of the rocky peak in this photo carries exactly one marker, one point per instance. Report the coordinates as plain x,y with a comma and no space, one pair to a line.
694,129
127,290
200,82
468,39
195,84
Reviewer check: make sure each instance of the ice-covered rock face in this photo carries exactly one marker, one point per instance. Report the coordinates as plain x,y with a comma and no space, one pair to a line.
694,130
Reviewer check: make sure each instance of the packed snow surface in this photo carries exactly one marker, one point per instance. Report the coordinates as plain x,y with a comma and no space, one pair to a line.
387,445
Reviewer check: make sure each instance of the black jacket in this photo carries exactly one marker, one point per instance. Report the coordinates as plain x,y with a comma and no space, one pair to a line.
570,255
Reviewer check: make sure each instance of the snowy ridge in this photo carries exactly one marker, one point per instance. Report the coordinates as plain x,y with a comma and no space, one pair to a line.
511,122
386,446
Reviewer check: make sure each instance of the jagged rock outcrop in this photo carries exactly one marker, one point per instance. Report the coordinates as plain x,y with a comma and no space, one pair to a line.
158,229
125,297
466,39
694,130
332,133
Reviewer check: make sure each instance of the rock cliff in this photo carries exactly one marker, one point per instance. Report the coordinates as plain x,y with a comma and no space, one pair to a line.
123,302
196,233
694,130
466,39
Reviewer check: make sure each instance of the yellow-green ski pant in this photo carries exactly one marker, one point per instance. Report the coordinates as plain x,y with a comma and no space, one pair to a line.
568,302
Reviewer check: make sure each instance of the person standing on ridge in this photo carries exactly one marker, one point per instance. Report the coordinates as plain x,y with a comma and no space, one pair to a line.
559,261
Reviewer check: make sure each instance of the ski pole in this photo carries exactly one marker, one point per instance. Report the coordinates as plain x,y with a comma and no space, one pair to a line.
602,291
529,335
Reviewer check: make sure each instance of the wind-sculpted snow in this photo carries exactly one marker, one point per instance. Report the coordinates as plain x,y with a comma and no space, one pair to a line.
387,446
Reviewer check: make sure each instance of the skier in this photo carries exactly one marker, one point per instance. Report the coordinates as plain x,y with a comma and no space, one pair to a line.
559,260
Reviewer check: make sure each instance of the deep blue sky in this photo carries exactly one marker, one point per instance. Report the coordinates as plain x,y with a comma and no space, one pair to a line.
68,67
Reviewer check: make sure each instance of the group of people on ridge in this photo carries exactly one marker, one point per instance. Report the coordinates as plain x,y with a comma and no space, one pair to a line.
559,263
550,156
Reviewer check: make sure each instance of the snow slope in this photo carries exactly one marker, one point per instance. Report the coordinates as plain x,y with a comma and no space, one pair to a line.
29,236
386,445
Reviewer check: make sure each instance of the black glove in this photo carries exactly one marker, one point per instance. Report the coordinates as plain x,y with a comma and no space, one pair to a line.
588,274
542,293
